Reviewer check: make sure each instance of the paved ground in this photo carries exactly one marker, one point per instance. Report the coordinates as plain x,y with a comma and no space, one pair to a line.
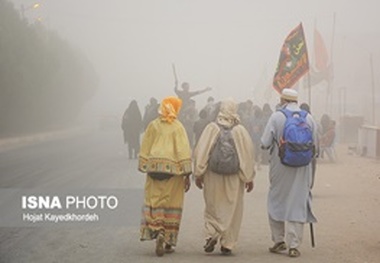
346,202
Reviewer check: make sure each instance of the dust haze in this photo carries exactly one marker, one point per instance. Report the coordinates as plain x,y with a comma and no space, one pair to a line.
87,60
231,46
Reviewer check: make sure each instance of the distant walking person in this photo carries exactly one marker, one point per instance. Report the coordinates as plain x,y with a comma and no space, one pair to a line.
327,141
151,112
223,182
200,124
166,158
210,107
132,127
267,112
190,116
255,129
289,197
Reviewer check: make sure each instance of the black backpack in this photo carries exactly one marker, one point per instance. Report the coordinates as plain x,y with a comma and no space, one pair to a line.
224,159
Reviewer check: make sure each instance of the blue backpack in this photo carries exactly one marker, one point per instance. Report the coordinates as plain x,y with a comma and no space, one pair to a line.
296,147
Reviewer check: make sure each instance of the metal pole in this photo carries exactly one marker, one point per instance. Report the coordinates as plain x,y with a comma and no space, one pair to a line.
344,100
373,93
330,86
309,87
174,73
340,102
312,235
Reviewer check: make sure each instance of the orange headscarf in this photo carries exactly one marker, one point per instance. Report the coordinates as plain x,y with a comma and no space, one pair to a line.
169,109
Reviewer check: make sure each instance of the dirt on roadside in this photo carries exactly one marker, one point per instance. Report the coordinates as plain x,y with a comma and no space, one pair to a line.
347,202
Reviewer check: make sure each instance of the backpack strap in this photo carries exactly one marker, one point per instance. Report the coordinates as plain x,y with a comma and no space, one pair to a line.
289,113
303,113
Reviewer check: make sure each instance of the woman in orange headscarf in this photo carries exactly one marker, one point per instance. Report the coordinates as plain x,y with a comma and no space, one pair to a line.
165,156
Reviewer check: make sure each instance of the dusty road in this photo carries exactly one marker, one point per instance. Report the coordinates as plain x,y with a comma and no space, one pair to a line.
346,202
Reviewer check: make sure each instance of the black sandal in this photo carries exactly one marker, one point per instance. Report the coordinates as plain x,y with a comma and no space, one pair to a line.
210,245
278,247
225,251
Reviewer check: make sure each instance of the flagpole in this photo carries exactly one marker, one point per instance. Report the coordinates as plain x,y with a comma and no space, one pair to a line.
332,39
308,74
329,84
373,93
174,73
309,87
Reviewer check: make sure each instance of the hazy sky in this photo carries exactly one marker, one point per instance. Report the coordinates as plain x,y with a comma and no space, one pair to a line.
232,46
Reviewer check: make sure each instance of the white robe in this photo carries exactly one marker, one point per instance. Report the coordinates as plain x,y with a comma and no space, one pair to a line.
289,197
223,194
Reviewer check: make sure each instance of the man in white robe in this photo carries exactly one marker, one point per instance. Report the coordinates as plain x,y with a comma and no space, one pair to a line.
289,197
223,194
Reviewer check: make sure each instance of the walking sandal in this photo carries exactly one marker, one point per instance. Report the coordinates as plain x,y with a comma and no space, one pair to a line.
225,251
168,249
160,245
294,253
278,247
210,245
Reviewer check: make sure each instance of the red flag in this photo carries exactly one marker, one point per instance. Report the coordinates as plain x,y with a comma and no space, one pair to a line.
293,62
320,51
